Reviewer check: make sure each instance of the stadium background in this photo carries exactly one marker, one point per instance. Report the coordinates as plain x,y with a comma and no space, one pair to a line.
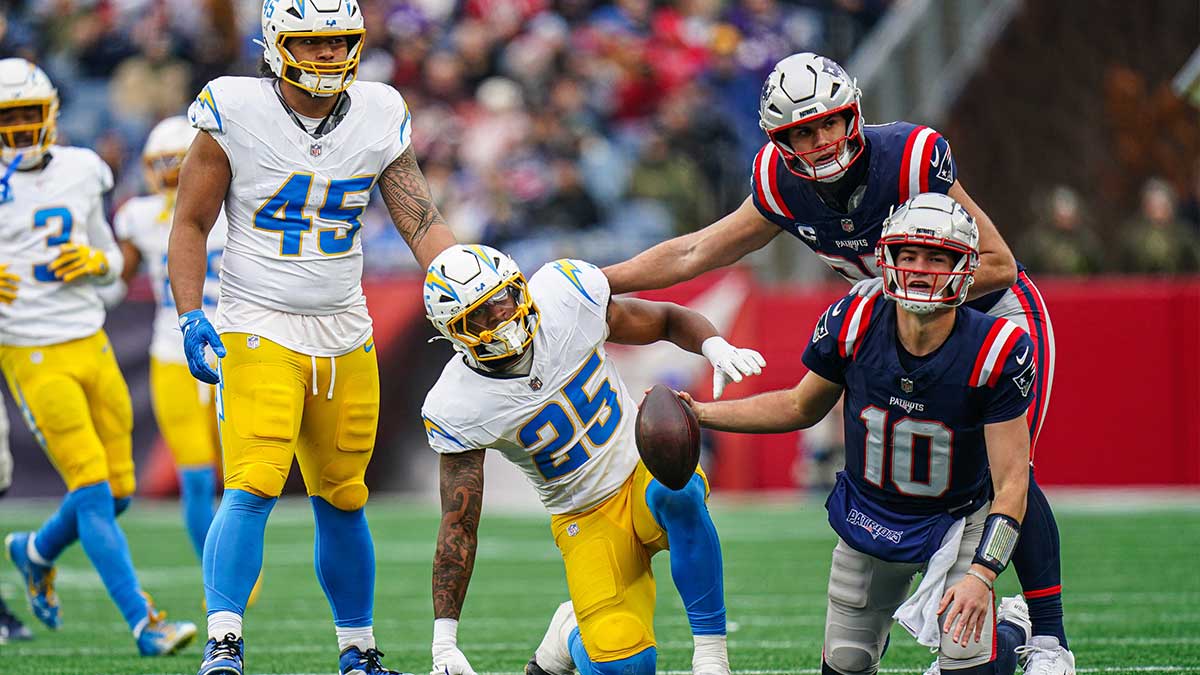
594,129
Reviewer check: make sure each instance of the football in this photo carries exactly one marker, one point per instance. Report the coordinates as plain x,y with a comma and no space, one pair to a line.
668,437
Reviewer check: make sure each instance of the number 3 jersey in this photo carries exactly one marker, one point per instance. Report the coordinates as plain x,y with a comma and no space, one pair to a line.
59,203
915,438
568,424
293,260
145,222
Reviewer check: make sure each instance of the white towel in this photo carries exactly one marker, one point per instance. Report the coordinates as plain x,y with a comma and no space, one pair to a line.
919,614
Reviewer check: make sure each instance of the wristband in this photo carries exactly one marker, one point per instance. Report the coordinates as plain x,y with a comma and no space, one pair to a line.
995,549
979,576
445,630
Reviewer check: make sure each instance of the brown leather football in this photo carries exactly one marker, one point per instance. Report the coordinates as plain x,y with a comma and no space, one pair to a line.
668,437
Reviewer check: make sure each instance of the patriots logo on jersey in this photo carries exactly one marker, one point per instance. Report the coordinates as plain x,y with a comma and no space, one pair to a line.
1024,380
822,329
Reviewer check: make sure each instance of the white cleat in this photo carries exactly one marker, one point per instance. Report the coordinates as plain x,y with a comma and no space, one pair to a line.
1015,611
1043,655
553,655
710,655
934,668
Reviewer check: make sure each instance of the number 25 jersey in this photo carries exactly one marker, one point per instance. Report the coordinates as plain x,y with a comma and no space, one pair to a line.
292,270
568,425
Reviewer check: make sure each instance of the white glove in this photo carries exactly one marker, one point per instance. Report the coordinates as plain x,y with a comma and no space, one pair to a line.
730,363
448,659
867,287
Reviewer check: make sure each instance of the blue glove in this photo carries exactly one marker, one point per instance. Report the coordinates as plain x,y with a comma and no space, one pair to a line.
198,333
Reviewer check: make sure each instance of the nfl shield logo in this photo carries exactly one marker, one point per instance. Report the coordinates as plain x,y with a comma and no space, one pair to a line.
906,385
315,149
847,225
535,383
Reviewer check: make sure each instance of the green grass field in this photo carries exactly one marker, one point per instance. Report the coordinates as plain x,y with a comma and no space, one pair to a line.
1132,597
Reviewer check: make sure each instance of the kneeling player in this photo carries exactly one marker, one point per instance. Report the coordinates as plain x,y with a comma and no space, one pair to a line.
534,382
934,394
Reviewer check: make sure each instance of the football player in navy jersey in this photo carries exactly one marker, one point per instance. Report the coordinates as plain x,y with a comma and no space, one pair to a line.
830,180
936,396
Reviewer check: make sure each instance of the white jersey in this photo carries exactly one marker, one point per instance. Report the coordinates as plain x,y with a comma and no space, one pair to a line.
293,260
569,424
62,202
145,222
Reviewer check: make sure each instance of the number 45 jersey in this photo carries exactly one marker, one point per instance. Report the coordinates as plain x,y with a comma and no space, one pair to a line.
293,207
915,439
568,424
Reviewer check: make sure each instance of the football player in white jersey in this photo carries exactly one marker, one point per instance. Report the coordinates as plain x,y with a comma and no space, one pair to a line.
532,380
55,246
293,158
184,408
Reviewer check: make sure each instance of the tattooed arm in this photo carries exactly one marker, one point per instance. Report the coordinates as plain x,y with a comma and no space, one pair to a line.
407,197
462,501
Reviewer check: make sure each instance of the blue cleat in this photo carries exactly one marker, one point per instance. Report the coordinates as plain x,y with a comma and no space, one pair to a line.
222,657
354,661
158,637
39,580
11,628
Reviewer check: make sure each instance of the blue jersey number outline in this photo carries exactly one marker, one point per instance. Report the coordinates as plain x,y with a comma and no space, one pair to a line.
66,222
551,461
283,212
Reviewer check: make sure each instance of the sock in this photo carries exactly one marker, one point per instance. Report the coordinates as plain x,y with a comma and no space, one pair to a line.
105,545
233,551
695,552
221,624
1037,561
344,556
60,531
710,652
196,488
363,638
1009,636
57,533
641,663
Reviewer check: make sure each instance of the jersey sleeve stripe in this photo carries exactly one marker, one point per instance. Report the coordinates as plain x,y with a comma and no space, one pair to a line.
1005,351
773,174
983,352
856,324
765,166
911,164
1000,345
844,333
926,155
759,188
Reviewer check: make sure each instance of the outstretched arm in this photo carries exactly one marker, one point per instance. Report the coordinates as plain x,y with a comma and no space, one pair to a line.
411,206
632,321
723,243
997,266
773,412
638,322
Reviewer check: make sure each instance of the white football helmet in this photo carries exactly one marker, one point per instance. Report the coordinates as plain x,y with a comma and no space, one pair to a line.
802,88
929,220
24,85
465,286
165,148
283,19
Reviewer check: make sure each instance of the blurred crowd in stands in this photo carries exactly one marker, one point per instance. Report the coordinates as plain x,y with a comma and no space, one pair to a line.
549,128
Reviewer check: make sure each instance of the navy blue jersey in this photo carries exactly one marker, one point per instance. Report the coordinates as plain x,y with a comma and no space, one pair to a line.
915,440
904,160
